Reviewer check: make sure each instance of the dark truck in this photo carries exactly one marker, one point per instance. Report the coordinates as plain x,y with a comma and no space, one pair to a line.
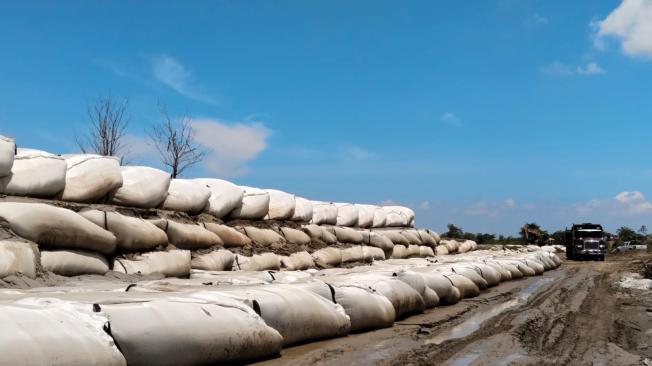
585,241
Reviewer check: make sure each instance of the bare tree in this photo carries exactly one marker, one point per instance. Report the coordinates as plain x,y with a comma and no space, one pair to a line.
107,128
174,140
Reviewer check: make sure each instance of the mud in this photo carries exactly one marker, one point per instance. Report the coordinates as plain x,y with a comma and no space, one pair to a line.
576,315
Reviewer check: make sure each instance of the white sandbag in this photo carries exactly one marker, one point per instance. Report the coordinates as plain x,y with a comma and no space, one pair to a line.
451,245
142,187
441,250
317,232
405,212
367,310
225,196
380,217
231,237
365,215
373,253
257,262
302,210
417,282
412,236
347,214
505,275
173,263
425,251
448,294
281,205
328,257
413,251
298,261
56,227
357,254
186,195
467,272
465,286
295,236
376,239
7,153
17,256
188,236
323,213
426,238
35,173
434,236
399,252
487,272
263,237
51,332
296,313
395,237
132,233
218,260
89,178
183,332
74,262
394,216
347,235
254,205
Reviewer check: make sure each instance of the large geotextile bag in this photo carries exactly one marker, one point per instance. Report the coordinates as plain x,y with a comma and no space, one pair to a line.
347,235
225,196
380,217
412,236
448,294
218,260
395,216
254,205
142,187
173,263
328,257
264,237
376,239
89,178
188,236
187,196
53,332
189,331
18,256
297,261
281,205
347,214
132,233
441,250
73,262
317,232
56,227
7,153
395,237
466,287
257,262
426,238
295,236
323,213
230,236
425,251
367,310
399,252
302,210
35,173
298,314
365,215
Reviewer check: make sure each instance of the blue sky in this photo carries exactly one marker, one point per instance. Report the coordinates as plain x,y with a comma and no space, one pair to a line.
483,113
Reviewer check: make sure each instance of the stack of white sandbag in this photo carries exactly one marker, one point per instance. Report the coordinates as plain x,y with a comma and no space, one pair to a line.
253,206
187,196
225,196
281,205
142,187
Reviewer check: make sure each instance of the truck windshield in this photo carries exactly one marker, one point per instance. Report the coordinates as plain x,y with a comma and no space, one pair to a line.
589,234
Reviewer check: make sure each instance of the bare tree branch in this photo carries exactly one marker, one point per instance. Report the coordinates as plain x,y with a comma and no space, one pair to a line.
175,142
107,127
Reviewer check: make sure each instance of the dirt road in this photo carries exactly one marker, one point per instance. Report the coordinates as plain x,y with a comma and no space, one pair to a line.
575,315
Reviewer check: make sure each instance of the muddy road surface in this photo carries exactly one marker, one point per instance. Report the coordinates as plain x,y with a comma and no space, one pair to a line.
575,315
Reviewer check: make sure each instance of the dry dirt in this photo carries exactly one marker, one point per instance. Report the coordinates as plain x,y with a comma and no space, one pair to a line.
575,315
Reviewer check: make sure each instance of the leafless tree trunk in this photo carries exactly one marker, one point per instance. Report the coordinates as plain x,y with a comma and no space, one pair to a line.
175,142
108,124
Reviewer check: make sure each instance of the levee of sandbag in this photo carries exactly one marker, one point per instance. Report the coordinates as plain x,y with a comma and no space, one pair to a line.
7,153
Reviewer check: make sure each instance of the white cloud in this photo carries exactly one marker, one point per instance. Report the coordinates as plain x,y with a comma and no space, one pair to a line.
631,23
561,69
425,205
451,119
357,153
388,202
172,73
231,145
624,204
536,19
591,68
490,209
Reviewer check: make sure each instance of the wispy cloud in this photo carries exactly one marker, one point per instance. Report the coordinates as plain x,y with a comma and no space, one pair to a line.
451,119
425,205
176,76
536,20
561,69
490,209
631,24
231,145
624,204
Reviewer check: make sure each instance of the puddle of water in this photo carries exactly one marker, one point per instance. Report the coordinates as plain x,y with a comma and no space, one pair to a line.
474,322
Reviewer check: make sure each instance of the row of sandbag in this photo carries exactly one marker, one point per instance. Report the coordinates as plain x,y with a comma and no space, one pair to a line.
91,178
174,323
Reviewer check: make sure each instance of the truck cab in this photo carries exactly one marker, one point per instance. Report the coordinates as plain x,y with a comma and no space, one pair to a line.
585,241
